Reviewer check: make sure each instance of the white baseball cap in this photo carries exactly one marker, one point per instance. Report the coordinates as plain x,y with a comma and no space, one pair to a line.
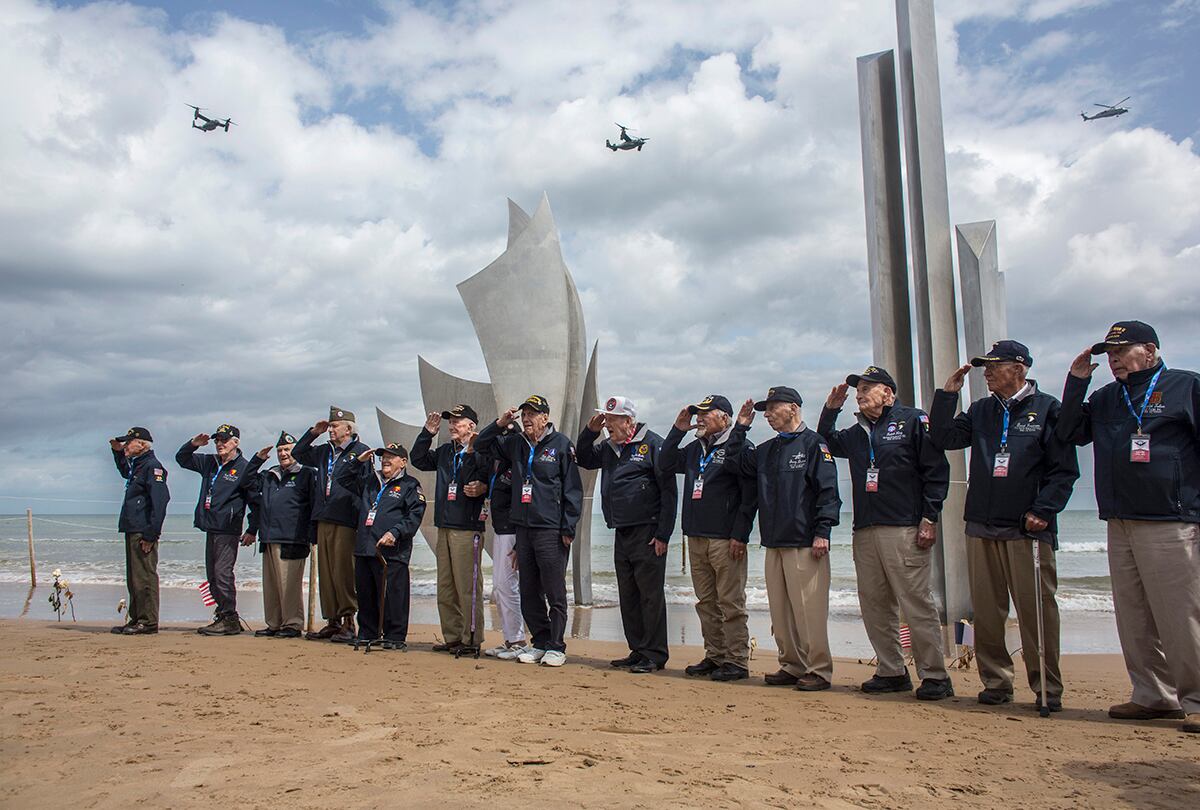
619,406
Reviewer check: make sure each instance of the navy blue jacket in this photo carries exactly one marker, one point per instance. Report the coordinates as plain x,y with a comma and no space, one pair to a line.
795,487
398,510
281,504
633,491
1042,467
726,506
557,489
462,512
914,475
496,472
144,507
339,506
226,483
1168,486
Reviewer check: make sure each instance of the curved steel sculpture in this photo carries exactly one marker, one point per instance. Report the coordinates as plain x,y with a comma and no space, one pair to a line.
529,322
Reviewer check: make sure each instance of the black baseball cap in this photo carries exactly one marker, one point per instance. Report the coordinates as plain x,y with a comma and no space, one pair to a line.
226,432
712,402
462,412
393,449
285,438
135,433
536,402
1005,351
873,374
780,393
1126,333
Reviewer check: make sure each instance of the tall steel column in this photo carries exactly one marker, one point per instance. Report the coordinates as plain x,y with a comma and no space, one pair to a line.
984,302
933,269
883,193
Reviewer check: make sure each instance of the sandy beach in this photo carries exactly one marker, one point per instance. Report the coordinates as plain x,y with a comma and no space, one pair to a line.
95,720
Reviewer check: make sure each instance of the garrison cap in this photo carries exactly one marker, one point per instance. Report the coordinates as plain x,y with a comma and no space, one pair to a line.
461,412
712,402
135,433
285,438
536,402
337,414
780,393
873,374
1005,351
1126,333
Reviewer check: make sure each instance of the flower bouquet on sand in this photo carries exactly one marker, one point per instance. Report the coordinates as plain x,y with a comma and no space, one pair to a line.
61,592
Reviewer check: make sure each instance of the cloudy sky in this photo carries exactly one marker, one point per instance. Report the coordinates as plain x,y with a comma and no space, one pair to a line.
157,275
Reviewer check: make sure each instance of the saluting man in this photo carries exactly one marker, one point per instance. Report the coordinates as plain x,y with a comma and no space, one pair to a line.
546,501
1021,477
143,510
220,510
1145,430
281,505
796,494
900,480
336,514
639,502
459,528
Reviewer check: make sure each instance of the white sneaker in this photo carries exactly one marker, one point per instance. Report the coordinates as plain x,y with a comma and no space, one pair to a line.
494,652
511,653
531,655
553,658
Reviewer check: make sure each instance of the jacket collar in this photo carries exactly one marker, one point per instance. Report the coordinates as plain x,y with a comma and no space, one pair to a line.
278,471
1143,376
721,438
395,478
1027,390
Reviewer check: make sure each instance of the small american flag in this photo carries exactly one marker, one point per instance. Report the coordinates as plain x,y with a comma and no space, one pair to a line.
905,637
206,595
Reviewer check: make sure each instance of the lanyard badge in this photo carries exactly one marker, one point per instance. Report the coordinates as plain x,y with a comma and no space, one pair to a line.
872,480
370,521
1000,466
452,491
698,487
1139,448
1139,442
486,509
527,491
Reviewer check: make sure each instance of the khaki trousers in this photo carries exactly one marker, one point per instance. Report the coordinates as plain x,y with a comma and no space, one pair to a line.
798,592
1155,569
996,569
893,581
720,586
459,585
141,578
335,570
283,589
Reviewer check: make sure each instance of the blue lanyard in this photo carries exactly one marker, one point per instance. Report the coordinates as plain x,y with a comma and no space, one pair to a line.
379,495
217,474
130,462
491,486
529,463
1004,428
704,460
333,457
1145,400
456,463
871,446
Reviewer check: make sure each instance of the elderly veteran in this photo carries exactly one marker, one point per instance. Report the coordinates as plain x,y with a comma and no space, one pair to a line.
281,507
900,480
547,497
336,515
143,510
1020,478
796,495
639,503
225,478
1145,431
459,529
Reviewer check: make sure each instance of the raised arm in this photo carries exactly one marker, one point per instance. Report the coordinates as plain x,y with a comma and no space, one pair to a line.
1075,419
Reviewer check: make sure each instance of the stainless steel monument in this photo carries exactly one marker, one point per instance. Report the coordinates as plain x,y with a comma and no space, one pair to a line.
529,321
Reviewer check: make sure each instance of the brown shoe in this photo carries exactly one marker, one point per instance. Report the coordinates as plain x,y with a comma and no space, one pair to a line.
328,631
781,678
1136,711
1191,723
812,682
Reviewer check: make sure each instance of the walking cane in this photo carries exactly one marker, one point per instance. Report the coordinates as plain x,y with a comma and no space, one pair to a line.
1044,711
474,588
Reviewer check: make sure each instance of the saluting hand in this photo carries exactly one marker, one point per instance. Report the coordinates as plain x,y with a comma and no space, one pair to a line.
746,413
366,457
684,421
955,383
1082,366
596,422
321,426
837,397
116,445
508,417
265,453
433,421
820,547
200,439
388,540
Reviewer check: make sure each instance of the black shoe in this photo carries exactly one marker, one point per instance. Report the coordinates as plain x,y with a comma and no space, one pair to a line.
139,629
781,678
812,682
645,665
1054,703
446,647
995,697
344,636
398,646
120,629
730,672
628,661
705,667
935,689
880,684
266,632
288,632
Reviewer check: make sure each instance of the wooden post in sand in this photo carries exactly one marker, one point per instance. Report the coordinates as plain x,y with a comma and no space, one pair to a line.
312,586
32,564
683,556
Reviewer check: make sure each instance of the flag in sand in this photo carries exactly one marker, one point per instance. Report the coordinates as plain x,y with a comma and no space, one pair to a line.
206,595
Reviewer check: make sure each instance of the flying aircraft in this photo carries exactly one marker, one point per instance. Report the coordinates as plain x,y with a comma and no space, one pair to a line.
1109,111
626,142
209,123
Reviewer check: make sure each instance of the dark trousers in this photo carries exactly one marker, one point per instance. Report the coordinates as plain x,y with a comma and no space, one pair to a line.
141,578
542,571
220,555
383,593
641,575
